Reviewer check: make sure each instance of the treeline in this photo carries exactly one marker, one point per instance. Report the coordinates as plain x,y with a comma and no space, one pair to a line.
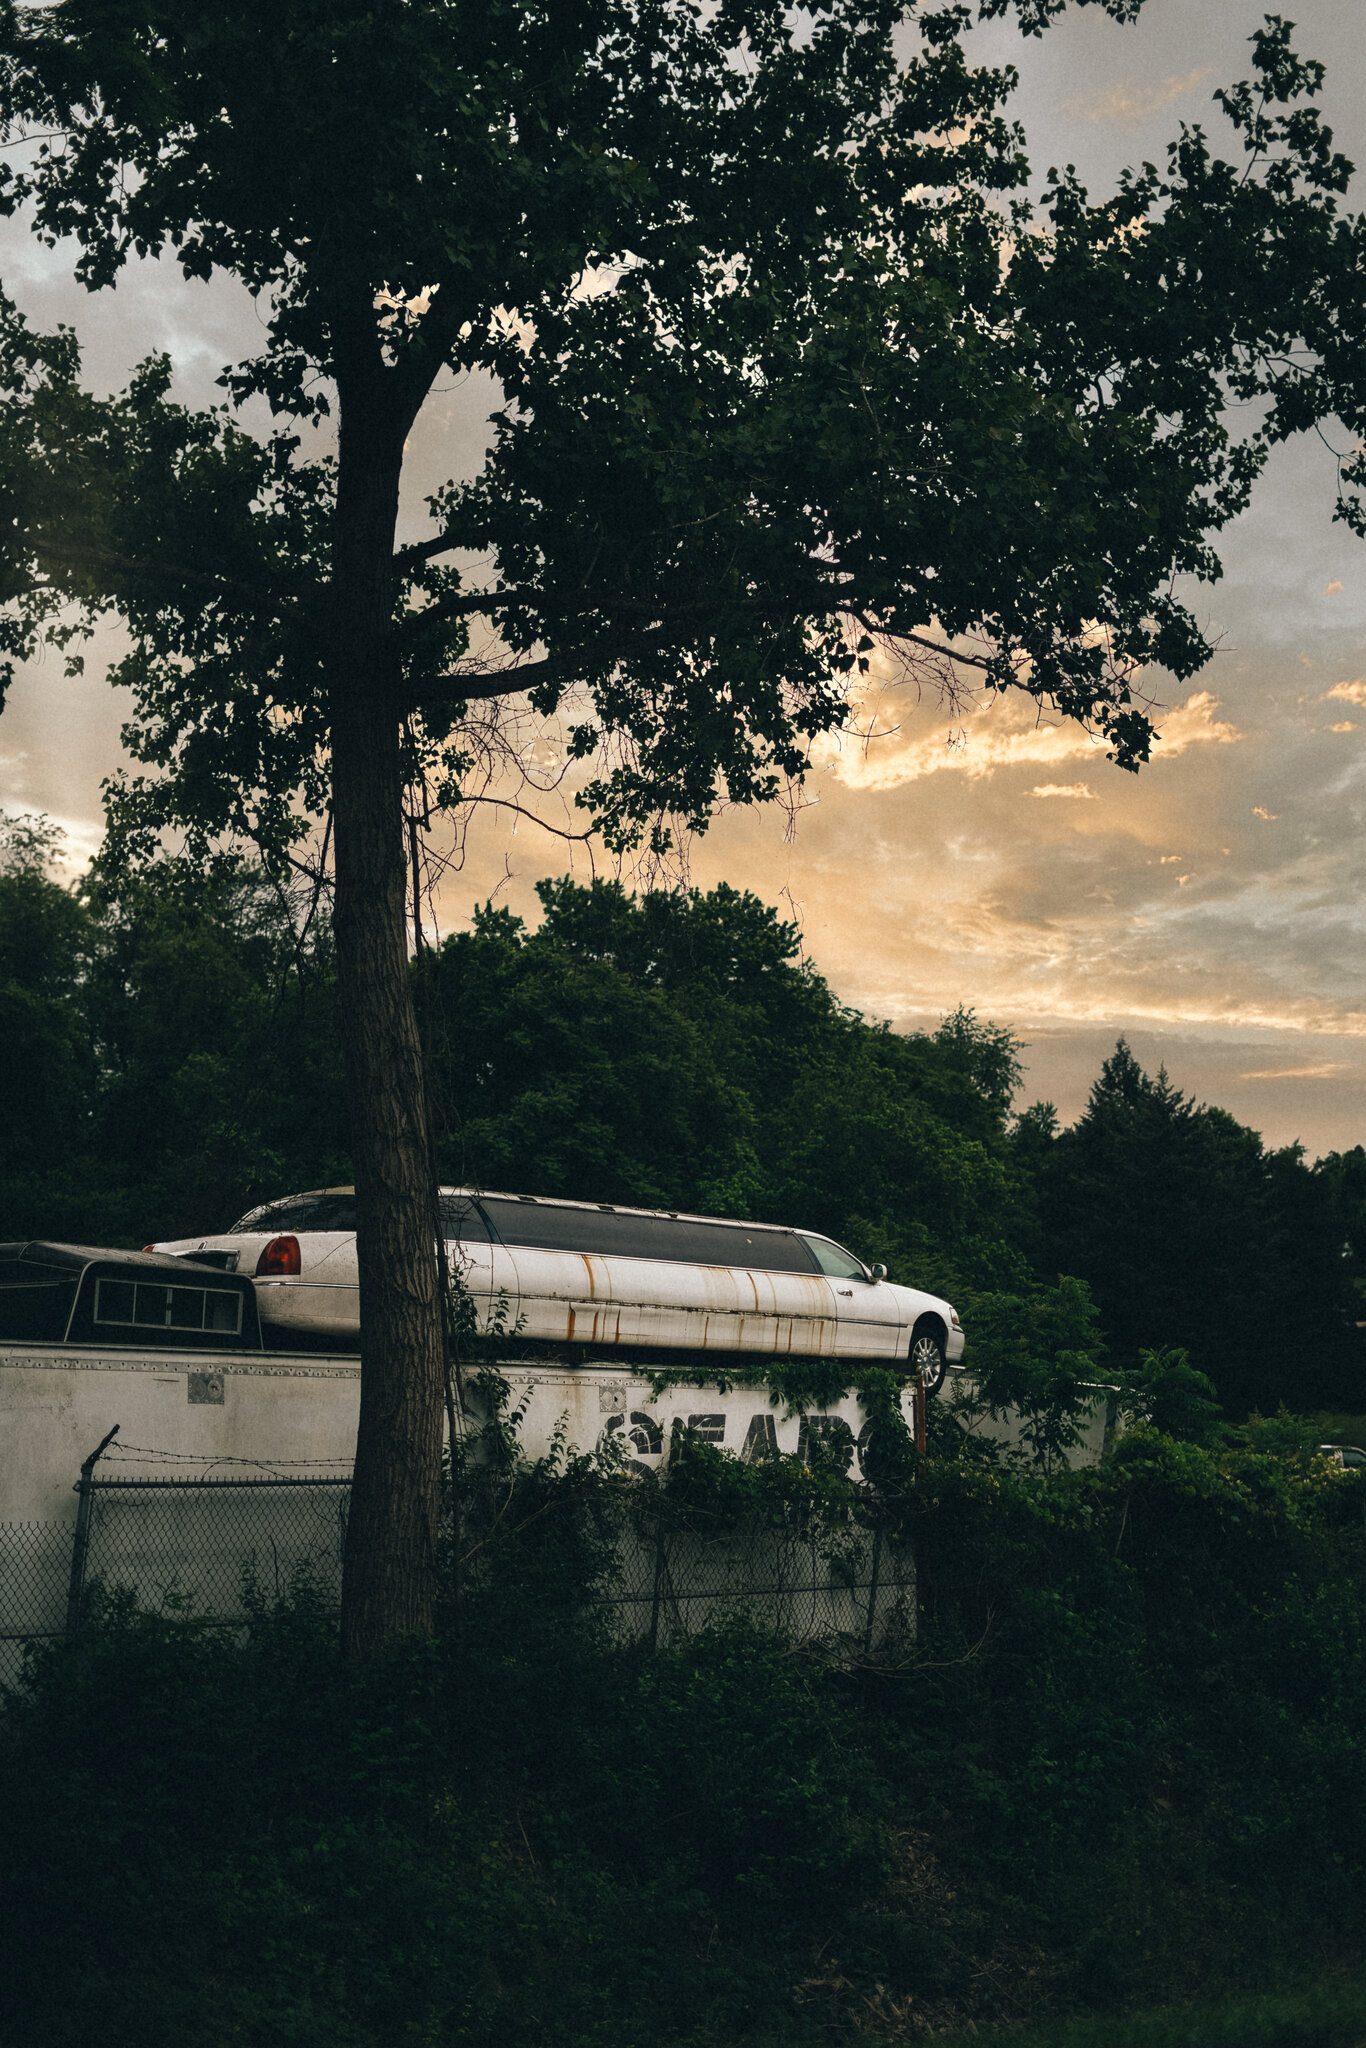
171,1058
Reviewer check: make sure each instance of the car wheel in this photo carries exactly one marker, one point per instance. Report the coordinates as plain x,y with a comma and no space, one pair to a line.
927,1357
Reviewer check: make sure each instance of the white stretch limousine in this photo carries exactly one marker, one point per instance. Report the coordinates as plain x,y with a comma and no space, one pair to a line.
605,1278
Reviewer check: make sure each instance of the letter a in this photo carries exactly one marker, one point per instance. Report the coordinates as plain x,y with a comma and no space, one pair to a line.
761,1439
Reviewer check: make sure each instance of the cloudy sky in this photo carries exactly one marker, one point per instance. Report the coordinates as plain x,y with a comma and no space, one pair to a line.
1209,909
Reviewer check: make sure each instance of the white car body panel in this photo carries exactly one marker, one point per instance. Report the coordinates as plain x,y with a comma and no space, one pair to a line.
581,1297
489,1274
610,1301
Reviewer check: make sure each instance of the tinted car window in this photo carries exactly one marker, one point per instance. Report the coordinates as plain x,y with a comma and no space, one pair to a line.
835,1260
769,1251
678,1239
302,1212
462,1217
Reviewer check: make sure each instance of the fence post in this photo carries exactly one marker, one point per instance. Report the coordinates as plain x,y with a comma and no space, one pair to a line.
659,1577
873,1589
85,1488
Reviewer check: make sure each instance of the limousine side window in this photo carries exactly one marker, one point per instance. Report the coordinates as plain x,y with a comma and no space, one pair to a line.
835,1261
306,1212
460,1216
463,1218
680,1240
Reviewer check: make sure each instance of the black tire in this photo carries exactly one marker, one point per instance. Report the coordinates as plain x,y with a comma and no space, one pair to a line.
927,1355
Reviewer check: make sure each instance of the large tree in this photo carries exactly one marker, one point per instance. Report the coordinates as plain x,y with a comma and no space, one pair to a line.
787,368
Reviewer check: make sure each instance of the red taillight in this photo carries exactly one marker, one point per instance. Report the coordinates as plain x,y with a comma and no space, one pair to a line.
280,1257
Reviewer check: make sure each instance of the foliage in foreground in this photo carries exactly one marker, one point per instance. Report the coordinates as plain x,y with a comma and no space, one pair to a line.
1330,2012
1123,1766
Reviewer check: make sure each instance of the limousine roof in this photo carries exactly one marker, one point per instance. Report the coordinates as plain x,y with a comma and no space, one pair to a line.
555,1223
547,1202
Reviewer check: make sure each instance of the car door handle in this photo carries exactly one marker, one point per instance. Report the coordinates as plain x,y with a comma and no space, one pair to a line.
847,1292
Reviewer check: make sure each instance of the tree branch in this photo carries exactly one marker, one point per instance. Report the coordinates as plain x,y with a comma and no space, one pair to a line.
837,598
505,804
919,640
423,351
498,682
423,551
76,554
486,684
461,603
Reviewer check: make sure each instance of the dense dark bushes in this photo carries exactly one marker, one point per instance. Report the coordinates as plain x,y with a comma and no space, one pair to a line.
1123,1764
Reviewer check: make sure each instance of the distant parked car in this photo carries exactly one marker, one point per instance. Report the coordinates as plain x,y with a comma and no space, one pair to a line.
593,1274
1347,1457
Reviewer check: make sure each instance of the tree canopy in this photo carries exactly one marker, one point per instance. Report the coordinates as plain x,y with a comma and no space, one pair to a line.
787,366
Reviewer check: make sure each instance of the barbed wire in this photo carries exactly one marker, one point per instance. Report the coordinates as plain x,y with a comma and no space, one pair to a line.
132,1454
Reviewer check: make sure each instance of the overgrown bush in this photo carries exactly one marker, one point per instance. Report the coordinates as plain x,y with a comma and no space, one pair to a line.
1122,1764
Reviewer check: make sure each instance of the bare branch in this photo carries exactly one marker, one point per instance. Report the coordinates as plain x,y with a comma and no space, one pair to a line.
893,633
498,682
503,803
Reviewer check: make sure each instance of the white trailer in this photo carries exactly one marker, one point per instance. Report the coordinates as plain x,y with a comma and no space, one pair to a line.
219,1470
216,1413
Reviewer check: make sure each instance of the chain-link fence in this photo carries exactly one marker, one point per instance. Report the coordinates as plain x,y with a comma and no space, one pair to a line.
215,1549
802,1584
655,1565
201,1548
35,1575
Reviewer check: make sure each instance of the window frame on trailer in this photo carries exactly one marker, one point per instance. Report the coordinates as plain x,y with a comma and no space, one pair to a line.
169,1288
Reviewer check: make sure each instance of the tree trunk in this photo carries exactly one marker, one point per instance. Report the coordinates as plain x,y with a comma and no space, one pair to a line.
389,1571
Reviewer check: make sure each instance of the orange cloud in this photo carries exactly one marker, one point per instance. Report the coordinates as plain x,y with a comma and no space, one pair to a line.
1352,691
1323,1070
1129,103
1267,817
1000,733
1081,791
